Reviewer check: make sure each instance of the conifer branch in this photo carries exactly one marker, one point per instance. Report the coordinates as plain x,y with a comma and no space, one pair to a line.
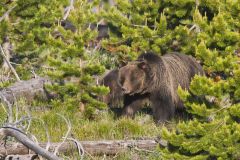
9,64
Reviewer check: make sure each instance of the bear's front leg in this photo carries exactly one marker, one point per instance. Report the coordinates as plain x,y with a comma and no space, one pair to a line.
163,109
133,103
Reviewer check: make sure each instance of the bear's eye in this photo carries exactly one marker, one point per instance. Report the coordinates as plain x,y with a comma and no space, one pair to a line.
135,76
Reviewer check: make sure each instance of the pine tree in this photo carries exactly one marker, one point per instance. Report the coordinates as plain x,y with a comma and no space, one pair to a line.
213,133
208,30
50,45
142,25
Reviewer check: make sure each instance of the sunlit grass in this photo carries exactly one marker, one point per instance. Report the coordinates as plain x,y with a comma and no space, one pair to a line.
103,127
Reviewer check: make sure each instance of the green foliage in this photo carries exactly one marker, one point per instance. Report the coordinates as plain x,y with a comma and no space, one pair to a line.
43,45
213,133
210,32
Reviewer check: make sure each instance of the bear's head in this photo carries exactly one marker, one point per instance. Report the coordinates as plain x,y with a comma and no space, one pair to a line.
115,97
133,77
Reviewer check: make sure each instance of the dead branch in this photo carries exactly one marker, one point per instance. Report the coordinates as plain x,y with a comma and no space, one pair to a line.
21,137
7,13
67,134
9,64
68,9
81,151
9,109
7,48
29,118
196,27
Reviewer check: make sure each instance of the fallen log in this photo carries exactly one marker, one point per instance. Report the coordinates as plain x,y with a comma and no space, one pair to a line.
29,90
108,147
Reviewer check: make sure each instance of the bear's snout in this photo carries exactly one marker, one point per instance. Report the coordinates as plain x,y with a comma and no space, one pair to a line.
125,90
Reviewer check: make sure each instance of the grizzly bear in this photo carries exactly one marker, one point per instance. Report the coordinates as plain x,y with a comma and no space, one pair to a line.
157,78
116,97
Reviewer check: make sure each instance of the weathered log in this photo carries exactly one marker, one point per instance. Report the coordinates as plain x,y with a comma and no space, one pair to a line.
108,147
29,90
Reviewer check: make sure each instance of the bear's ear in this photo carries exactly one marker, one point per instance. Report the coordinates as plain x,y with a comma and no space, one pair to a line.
122,64
142,65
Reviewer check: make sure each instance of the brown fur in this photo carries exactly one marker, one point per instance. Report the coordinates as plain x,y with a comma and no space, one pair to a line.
158,78
116,97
